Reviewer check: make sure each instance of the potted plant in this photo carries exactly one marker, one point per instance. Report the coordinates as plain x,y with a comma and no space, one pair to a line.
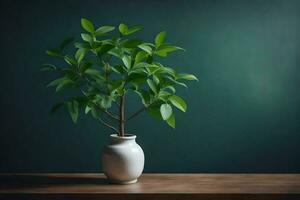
105,67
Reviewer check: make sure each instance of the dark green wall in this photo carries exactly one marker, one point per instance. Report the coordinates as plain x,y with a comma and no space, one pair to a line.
243,114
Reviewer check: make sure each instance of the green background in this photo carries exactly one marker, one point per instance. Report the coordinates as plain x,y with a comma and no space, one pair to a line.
243,115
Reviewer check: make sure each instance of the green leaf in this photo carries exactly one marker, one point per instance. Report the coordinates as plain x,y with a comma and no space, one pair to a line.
146,48
118,69
123,29
63,85
86,37
166,111
156,79
53,52
80,53
106,102
87,109
73,109
66,42
87,25
104,29
70,60
56,107
132,43
58,81
133,29
104,49
171,88
152,85
178,102
95,112
48,67
154,111
93,72
160,37
164,49
190,77
138,71
136,79
116,52
140,56
171,120
82,45
145,96
127,61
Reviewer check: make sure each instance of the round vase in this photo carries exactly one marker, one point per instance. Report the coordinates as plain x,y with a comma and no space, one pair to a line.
123,159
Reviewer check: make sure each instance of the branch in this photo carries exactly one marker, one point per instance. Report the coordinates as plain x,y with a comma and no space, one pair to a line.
136,113
109,126
111,115
105,111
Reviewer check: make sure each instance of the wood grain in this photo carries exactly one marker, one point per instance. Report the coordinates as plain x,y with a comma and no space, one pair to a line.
151,186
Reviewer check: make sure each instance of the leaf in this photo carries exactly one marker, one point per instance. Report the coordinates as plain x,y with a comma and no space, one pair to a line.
152,85
141,55
87,25
146,48
178,102
104,49
86,37
171,121
166,111
171,88
118,69
106,102
104,29
58,81
127,61
80,53
132,43
93,72
87,109
95,112
49,67
138,71
136,79
70,60
156,79
82,45
53,52
123,29
154,111
73,109
66,42
63,85
164,49
145,96
163,95
56,107
116,52
133,29
190,77
160,37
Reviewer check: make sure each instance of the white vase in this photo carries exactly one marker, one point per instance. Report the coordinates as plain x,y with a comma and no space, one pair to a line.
123,160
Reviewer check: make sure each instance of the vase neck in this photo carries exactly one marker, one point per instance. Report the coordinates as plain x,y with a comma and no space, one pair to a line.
128,138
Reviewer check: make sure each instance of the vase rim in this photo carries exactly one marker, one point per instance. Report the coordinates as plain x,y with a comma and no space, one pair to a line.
125,137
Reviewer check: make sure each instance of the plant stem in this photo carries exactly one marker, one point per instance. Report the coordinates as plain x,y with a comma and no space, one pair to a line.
121,120
105,111
109,126
139,111
136,113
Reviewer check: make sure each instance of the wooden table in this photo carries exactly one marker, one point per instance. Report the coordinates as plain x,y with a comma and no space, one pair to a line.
151,186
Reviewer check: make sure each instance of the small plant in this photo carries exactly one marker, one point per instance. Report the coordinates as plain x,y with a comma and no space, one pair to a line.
104,68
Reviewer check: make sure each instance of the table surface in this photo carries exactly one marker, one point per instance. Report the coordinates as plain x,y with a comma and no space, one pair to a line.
87,183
